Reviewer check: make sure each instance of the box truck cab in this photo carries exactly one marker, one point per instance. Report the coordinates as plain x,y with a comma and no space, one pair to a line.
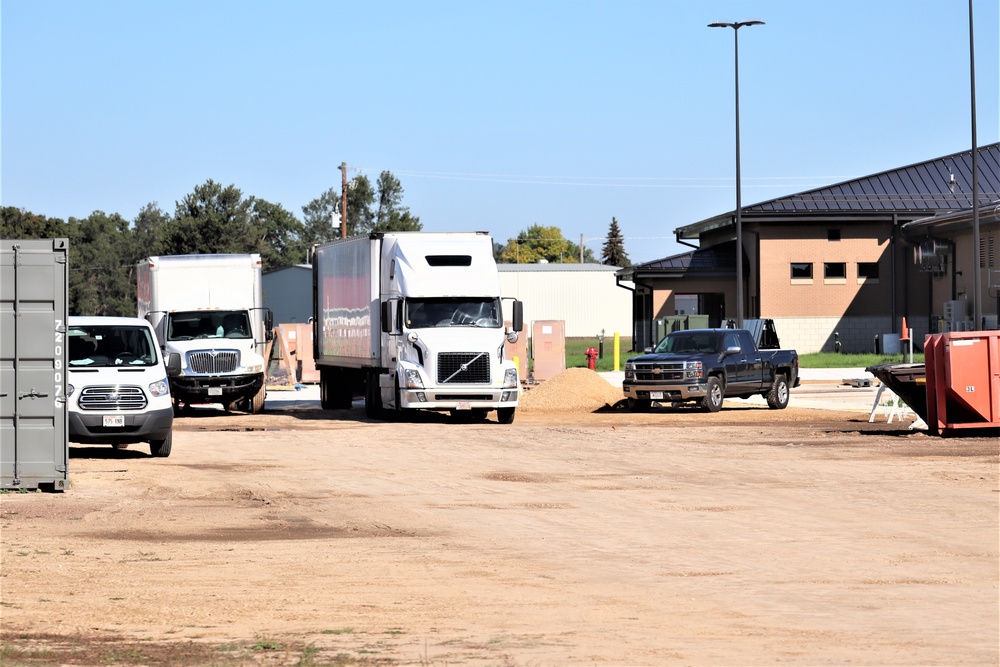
208,309
118,391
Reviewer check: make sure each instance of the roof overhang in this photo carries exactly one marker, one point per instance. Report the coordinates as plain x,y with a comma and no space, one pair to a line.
947,223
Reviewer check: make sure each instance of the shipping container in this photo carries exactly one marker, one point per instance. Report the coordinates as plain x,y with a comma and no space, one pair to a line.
34,288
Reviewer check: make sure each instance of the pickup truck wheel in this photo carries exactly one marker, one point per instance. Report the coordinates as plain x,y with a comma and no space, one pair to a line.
505,415
713,395
639,404
777,398
161,448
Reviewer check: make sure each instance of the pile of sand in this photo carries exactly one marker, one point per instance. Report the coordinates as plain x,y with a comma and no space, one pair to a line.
572,390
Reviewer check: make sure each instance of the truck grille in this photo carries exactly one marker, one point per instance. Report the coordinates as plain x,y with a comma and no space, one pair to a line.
465,367
659,372
112,397
214,362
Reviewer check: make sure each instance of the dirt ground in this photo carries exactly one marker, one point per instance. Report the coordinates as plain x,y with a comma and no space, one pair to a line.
746,537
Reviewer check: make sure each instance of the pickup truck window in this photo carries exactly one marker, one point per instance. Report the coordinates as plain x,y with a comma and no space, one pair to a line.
689,343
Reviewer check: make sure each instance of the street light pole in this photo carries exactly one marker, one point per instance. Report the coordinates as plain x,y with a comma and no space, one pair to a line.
739,203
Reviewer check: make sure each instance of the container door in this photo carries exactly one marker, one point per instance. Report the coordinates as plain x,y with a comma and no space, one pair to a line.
33,408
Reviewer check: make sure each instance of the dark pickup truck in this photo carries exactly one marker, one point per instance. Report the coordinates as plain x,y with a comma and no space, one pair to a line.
707,365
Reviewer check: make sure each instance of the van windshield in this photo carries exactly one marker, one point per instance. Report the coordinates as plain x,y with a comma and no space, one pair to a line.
102,345
208,324
453,312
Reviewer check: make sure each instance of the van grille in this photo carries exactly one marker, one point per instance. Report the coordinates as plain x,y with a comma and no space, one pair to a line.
112,397
465,367
214,362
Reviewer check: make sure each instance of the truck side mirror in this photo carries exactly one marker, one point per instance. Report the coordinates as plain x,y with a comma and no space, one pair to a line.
268,324
173,364
386,314
517,316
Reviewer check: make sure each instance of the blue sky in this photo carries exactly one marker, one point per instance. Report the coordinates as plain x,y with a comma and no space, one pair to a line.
494,115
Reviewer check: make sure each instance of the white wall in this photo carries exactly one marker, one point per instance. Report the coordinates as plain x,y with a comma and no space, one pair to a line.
585,296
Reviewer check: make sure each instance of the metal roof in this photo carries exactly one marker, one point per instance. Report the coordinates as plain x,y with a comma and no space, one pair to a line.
714,260
926,188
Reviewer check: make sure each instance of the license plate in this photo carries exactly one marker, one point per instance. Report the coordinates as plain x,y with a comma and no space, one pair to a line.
656,395
114,420
464,405
215,391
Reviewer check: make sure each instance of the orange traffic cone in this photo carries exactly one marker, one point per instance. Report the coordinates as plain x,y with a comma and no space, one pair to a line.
905,334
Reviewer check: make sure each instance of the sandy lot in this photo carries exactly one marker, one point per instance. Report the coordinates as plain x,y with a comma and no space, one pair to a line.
747,537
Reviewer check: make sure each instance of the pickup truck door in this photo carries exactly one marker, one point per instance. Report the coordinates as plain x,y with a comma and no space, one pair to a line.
753,366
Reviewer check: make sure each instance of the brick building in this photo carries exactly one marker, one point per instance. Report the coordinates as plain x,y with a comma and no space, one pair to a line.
845,261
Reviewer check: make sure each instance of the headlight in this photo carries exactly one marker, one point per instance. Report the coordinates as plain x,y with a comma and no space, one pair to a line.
629,367
70,389
413,380
159,388
254,368
694,369
510,378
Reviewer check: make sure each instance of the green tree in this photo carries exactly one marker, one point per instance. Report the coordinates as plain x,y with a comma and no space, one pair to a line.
613,253
16,223
279,235
391,215
360,199
212,219
318,218
101,257
538,243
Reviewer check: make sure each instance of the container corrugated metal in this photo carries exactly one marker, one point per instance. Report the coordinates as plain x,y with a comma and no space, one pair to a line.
34,449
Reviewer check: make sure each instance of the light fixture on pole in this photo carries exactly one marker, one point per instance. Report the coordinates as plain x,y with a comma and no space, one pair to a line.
739,204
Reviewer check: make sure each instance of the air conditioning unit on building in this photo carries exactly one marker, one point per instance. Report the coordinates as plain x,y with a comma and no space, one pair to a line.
931,256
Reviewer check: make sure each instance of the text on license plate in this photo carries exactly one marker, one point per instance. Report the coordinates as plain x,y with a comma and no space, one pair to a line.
114,420
215,391
463,405
656,395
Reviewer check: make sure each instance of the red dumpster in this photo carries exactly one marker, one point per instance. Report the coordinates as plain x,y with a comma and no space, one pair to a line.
963,380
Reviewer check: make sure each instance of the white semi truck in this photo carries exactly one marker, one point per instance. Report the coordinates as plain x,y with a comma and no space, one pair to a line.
414,320
209,310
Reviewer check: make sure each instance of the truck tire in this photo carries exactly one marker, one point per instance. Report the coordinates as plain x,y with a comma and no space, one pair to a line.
326,389
373,398
256,404
639,404
505,415
777,398
712,402
161,448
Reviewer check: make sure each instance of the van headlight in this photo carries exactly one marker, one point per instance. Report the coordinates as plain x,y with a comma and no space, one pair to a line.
510,378
159,388
70,389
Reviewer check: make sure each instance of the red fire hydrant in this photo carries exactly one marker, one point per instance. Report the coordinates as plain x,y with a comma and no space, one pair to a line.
591,358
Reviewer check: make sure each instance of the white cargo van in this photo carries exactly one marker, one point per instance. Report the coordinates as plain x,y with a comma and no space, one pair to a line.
118,390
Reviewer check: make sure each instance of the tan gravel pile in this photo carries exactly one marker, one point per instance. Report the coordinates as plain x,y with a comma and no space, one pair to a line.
572,390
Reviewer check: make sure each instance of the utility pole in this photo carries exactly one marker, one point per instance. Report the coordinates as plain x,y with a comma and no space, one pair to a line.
343,200
581,248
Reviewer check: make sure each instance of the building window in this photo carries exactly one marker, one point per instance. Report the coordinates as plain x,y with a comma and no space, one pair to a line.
867,272
802,273
834,273
833,235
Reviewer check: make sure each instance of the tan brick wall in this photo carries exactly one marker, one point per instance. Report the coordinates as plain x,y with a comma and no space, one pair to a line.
781,246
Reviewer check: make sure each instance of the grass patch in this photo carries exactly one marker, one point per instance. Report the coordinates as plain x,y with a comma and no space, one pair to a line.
833,360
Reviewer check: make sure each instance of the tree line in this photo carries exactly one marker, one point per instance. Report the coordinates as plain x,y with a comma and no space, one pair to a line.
105,248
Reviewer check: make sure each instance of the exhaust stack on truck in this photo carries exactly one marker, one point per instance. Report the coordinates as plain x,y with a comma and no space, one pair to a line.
413,320
209,310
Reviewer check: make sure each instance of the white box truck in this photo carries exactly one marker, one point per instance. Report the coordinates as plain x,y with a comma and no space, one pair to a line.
413,320
209,310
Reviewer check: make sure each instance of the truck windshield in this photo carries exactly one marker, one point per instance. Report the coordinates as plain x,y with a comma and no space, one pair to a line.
690,343
95,346
453,312
208,324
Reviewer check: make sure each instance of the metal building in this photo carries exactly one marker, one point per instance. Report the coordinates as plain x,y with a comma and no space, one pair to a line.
585,296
